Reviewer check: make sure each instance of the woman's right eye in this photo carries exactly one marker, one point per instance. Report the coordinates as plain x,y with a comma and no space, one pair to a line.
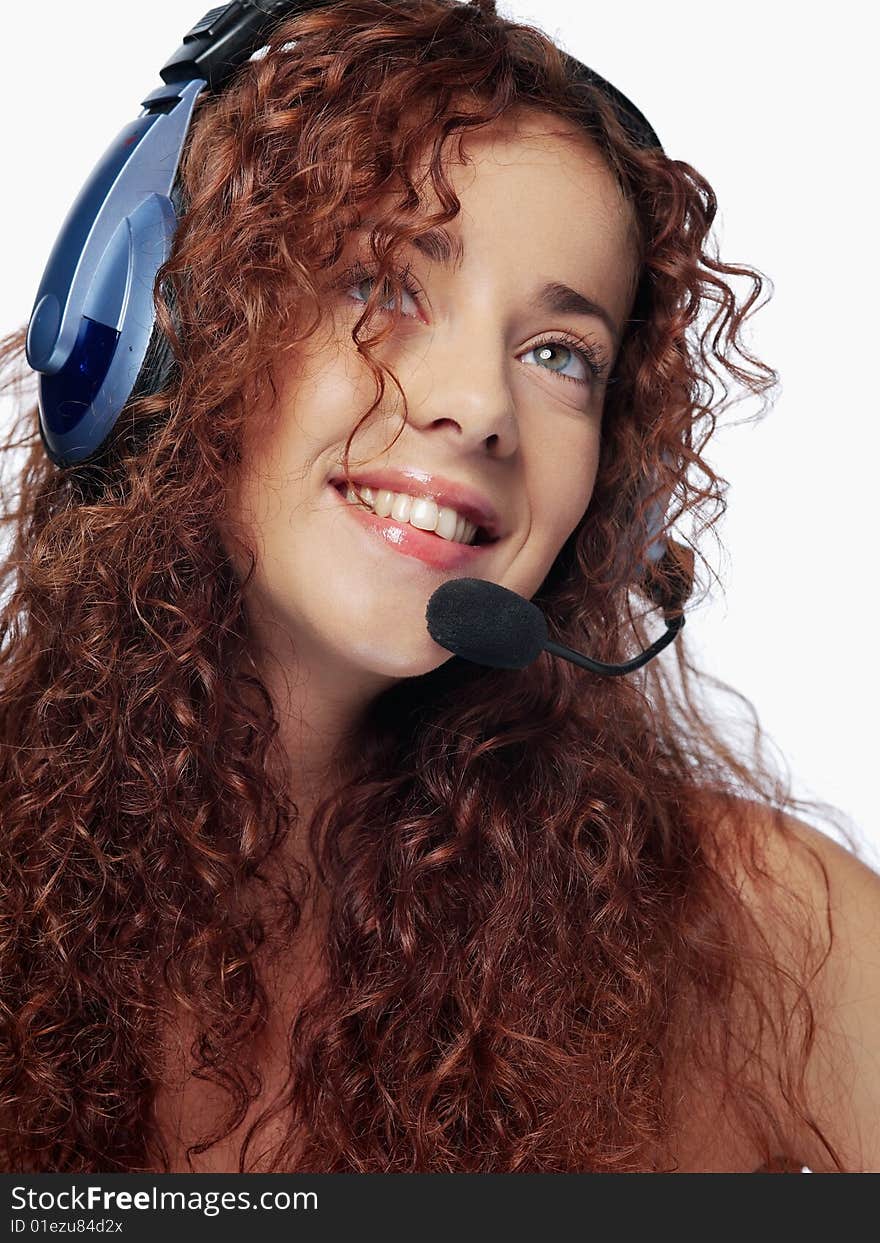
358,275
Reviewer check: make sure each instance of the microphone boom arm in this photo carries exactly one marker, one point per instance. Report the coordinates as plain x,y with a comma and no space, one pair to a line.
598,666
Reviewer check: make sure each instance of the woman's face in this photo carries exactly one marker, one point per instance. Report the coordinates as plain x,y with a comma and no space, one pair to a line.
500,401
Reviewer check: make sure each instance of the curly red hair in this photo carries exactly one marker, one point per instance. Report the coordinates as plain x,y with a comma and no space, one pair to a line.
534,917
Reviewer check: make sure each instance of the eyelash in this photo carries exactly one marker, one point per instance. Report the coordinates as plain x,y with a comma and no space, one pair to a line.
592,356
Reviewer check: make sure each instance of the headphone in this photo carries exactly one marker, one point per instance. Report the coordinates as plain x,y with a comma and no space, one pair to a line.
93,317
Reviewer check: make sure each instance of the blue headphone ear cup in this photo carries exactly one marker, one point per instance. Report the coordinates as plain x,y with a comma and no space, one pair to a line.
156,372
81,402
94,314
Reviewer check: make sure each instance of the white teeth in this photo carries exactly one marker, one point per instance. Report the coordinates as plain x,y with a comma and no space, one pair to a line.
418,511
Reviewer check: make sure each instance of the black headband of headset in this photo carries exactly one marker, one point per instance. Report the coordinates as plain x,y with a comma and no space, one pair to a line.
229,35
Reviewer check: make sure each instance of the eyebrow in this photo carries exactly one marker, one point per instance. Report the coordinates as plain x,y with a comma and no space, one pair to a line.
559,299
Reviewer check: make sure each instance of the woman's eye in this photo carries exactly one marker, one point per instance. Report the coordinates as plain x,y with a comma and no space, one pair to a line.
586,358
357,278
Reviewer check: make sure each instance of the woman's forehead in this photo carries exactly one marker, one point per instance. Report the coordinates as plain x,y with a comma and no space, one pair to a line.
526,140
534,191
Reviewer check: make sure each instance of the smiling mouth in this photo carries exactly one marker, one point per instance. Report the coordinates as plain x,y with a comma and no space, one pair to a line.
479,539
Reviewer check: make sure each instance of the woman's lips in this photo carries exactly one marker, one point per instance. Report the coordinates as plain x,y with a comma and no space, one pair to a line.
425,546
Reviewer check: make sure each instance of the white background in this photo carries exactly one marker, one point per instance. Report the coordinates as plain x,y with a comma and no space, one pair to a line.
773,106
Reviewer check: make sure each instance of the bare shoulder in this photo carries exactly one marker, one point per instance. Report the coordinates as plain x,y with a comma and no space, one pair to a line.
834,900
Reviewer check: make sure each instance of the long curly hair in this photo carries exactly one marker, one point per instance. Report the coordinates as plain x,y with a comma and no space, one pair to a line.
535,914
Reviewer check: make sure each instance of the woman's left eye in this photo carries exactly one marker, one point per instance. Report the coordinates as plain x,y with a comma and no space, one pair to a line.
591,357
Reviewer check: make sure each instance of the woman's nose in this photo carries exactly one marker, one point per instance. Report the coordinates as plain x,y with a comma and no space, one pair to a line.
464,375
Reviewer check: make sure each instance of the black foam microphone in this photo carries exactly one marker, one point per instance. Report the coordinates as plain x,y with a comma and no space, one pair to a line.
490,625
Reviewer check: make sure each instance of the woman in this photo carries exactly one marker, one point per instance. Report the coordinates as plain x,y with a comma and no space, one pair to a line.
287,886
